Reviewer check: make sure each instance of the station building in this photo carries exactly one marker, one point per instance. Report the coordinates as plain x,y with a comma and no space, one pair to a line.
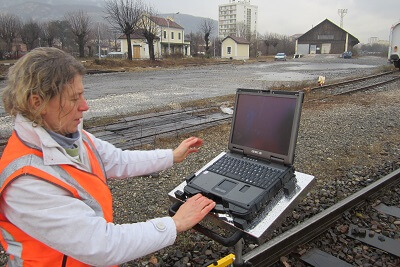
325,38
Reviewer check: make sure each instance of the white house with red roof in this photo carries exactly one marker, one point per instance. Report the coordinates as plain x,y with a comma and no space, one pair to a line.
170,40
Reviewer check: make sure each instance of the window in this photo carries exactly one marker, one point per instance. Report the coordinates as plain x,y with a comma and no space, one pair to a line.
165,34
325,37
172,35
179,35
229,50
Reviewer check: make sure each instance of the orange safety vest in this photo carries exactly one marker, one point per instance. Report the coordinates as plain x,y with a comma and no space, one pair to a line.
88,187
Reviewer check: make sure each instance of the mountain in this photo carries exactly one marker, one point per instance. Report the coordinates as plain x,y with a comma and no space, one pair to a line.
8,3
46,10
191,23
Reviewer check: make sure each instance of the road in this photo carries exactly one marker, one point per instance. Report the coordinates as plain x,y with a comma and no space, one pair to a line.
119,93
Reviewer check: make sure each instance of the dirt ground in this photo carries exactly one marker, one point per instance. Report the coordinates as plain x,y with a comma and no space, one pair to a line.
105,64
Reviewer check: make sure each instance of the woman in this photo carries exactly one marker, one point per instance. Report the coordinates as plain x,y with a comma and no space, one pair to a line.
55,206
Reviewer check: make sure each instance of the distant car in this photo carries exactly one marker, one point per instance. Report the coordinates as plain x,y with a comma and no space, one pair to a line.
347,54
280,56
115,55
97,55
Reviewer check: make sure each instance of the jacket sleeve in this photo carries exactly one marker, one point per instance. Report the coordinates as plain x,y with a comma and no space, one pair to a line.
50,215
128,163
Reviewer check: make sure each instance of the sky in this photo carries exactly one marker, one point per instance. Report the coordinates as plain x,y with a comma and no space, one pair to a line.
364,18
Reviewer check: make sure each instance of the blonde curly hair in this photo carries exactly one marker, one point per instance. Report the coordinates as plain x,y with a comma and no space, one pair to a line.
43,72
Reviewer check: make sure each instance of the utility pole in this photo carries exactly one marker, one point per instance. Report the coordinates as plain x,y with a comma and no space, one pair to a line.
169,32
342,13
98,33
214,47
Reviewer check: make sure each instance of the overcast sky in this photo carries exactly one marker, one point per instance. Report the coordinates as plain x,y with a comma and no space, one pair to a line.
364,18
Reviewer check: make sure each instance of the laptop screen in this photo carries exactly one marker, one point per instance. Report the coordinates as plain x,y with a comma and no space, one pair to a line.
265,122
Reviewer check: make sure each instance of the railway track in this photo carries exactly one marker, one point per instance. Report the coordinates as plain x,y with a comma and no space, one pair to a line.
352,86
348,225
134,131
130,132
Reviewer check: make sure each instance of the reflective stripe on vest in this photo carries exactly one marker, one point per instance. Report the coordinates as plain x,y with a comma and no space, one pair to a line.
92,148
19,159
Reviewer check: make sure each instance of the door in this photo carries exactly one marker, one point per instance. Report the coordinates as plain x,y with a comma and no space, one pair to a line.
313,49
326,49
136,52
303,49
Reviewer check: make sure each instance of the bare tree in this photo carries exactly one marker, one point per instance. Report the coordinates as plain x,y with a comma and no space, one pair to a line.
271,40
124,16
10,27
50,31
109,36
196,43
216,46
207,27
278,43
30,34
64,35
104,36
80,24
149,28
242,30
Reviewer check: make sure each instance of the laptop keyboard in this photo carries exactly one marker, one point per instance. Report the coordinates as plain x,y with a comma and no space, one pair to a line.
248,172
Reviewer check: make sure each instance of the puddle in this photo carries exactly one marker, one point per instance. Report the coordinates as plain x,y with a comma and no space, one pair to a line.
296,71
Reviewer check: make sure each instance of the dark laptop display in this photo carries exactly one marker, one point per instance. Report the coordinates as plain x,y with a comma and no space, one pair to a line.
260,158
263,123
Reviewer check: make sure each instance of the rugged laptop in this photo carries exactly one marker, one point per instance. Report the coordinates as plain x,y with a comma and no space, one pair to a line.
260,158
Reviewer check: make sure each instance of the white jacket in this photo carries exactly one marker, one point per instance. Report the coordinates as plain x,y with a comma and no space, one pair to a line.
50,215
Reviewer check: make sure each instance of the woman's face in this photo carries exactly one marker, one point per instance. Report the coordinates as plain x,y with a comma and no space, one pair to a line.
64,113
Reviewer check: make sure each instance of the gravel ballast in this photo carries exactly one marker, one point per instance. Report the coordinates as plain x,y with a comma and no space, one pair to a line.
346,144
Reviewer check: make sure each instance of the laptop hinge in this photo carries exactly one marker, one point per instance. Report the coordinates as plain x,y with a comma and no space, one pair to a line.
237,150
278,160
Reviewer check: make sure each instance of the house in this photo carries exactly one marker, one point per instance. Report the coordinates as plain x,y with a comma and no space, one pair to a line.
140,48
172,37
233,47
325,38
170,40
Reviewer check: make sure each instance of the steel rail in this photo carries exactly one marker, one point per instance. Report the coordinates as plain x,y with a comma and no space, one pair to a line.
146,117
368,86
270,252
352,81
140,140
362,88
114,132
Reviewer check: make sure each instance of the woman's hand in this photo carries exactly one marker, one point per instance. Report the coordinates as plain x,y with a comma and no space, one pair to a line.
187,146
192,212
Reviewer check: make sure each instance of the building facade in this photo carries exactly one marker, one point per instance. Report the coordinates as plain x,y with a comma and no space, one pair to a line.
233,47
170,40
237,18
172,37
325,38
140,47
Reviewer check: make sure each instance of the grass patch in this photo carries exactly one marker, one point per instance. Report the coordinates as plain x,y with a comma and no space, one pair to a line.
134,65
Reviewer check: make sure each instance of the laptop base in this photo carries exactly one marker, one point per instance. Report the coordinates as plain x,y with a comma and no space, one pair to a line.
267,220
